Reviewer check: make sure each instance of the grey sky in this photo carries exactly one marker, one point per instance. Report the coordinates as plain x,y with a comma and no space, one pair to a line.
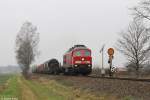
63,23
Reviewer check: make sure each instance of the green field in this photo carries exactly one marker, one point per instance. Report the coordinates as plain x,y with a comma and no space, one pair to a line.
11,89
4,78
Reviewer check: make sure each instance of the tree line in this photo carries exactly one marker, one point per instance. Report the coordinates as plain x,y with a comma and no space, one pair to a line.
134,42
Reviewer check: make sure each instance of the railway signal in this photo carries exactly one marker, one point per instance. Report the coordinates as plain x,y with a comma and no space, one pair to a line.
110,53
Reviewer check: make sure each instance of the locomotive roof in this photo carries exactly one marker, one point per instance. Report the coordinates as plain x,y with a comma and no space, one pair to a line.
77,47
50,60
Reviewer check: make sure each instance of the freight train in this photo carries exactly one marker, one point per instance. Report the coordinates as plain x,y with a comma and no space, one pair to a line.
49,67
77,60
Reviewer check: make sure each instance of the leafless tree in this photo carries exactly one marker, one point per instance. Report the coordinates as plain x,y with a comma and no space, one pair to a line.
135,44
26,46
142,11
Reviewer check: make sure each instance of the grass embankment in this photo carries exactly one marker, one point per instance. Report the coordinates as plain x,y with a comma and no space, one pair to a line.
46,89
40,91
51,90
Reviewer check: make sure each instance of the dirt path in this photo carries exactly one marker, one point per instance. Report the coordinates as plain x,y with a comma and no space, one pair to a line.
26,92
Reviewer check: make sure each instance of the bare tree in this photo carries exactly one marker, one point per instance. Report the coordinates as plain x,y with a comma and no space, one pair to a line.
135,44
142,10
26,46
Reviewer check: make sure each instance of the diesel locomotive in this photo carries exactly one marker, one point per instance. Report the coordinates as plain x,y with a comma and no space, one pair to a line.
77,60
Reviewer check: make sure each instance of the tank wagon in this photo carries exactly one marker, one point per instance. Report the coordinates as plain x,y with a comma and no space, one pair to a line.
77,60
49,67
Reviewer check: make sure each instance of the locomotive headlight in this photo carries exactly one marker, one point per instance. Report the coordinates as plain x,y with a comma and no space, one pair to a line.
82,59
89,65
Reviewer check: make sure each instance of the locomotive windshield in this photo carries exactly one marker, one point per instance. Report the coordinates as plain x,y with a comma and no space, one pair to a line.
87,53
77,53
82,53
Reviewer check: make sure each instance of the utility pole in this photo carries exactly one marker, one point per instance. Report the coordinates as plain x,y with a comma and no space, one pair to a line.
102,70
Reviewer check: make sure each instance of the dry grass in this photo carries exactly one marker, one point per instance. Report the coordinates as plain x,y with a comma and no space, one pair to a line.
106,88
68,92
26,92
77,88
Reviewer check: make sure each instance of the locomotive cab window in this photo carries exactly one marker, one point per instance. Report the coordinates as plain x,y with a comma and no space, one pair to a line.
77,53
87,53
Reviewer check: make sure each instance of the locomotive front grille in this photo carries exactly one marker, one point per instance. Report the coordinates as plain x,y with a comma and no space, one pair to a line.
82,62
83,66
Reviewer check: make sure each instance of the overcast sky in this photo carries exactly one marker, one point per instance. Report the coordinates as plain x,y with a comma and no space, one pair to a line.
63,23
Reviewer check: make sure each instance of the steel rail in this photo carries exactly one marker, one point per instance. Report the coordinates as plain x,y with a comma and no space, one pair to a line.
99,77
121,78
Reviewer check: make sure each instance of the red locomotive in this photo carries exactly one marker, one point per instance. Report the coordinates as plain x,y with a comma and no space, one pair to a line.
77,60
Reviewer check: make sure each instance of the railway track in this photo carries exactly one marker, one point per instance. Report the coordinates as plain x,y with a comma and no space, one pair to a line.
121,78
99,77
